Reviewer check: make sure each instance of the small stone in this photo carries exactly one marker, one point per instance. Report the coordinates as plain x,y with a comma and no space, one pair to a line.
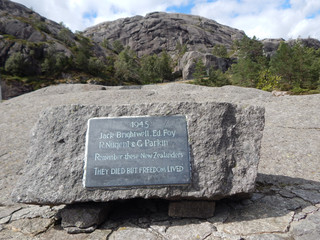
192,209
286,193
83,216
76,230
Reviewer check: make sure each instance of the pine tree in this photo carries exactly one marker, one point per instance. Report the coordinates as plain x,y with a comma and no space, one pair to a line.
250,63
149,70
199,70
127,67
164,67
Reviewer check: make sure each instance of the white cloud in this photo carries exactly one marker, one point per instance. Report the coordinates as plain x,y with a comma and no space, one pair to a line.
72,12
263,18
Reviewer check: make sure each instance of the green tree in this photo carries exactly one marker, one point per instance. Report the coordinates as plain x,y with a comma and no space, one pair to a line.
297,65
199,70
282,64
82,53
217,78
268,81
54,62
251,61
127,67
117,46
149,69
96,67
17,64
81,61
164,67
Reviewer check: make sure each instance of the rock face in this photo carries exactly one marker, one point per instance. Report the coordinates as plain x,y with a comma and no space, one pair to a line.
224,144
33,38
163,31
24,31
187,63
271,45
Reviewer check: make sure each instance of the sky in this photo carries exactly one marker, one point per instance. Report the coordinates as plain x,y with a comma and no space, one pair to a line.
261,18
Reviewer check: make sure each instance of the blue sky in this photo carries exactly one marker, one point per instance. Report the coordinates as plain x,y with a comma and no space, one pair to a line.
260,18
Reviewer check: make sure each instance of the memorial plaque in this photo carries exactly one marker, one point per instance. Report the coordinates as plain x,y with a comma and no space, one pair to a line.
137,151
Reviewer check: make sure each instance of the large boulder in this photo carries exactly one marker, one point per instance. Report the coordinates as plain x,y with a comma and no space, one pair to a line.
224,148
188,61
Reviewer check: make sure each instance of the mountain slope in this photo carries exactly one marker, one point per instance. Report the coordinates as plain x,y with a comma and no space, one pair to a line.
164,31
31,45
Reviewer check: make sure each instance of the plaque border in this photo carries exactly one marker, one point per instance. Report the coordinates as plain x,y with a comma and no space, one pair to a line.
124,187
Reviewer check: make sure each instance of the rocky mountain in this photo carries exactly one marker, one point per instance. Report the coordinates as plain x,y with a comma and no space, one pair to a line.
43,50
184,37
165,31
23,30
35,44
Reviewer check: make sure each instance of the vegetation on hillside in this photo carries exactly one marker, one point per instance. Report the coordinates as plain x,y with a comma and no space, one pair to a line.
294,68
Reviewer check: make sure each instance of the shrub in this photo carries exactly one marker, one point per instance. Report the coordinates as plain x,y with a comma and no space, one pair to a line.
16,64
268,81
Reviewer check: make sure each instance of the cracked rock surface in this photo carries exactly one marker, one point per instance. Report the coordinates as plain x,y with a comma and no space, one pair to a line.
285,204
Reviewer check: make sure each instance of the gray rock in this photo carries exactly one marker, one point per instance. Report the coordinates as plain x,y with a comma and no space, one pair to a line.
187,63
181,231
308,195
292,129
6,213
32,226
159,30
268,236
192,209
224,141
133,233
83,217
257,218
307,229
76,230
270,46
25,32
